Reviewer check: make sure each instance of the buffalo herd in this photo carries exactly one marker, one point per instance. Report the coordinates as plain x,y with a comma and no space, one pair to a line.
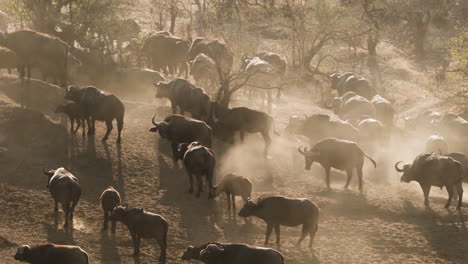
362,123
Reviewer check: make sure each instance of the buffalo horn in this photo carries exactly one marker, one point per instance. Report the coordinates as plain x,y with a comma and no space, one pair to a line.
329,103
300,151
154,123
396,167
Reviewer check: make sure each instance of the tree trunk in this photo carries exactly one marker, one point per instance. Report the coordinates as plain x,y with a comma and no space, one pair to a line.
421,24
174,12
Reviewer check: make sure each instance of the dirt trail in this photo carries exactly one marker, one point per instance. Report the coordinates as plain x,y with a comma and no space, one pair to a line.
386,224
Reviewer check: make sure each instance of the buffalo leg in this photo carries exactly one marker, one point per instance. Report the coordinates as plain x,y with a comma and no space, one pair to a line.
78,125
277,231
106,219
327,178
305,230
91,126
83,128
136,248
268,233
66,210
209,179
267,139
119,128
9,70
72,123
109,129
163,246
233,197
359,174
56,206
313,231
200,185
349,174
450,196
228,196
242,135
191,182
114,226
174,152
426,189
460,195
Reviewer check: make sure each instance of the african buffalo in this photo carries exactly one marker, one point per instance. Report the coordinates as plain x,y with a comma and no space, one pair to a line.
180,129
37,49
65,189
52,254
244,120
273,210
384,110
214,49
262,77
239,253
372,132
350,82
143,224
463,159
100,106
186,96
277,62
203,69
437,144
352,106
435,170
166,53
74,112
339,154
232,185
198,161
320,126
110,198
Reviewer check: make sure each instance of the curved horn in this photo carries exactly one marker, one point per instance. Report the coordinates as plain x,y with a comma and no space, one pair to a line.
306,117
46,172
301,151
156,84
396,167
154,123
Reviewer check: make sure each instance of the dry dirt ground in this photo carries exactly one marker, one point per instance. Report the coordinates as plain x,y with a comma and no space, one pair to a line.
386,224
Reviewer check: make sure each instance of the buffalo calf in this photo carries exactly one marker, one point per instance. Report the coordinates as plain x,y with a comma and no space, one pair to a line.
110,198
52,254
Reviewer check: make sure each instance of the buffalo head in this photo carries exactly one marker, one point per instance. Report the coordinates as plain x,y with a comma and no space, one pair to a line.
212,251
248,209
163,89
22,253
118,213
309,155
73,93
407,175
162,127
191,253
49,174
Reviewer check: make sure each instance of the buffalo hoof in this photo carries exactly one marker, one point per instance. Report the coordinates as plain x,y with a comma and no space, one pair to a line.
118,141
458,208
90,132
136,254
104,139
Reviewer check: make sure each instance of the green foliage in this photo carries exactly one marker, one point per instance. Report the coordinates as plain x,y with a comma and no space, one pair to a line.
92,23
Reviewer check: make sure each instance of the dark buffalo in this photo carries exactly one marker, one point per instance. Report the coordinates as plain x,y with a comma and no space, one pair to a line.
422,122
352,106
372,133
339,154
100,106
198,161
244,120
203,69
384,110
180,129
74,112
34,49
232,185
166,53
65,189
52,254
463,159
110,198
273,210
320,126
239,253
186,96
435,170
350,82
455,130
143,224
214,49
